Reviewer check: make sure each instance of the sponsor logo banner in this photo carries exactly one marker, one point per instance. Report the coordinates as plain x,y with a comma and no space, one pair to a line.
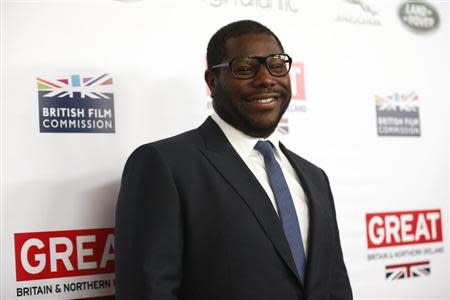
297,74
398,114
359,12
403,228
275,5
55,254
76,104
407,270
77,287
419,16
298,99
398,235
283,126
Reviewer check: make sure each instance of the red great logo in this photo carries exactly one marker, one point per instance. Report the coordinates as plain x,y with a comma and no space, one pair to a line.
53,254
388,229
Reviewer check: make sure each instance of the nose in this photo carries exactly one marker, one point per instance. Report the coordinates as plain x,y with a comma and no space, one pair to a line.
263,78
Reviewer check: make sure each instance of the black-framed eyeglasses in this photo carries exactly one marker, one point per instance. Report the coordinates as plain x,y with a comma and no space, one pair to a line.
246,67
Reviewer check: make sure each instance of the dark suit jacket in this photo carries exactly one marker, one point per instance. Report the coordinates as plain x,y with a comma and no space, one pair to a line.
193,222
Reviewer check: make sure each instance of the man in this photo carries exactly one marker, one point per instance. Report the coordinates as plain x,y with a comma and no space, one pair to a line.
225,211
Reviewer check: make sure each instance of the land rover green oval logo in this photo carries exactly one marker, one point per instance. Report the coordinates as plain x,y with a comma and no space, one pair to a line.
419,16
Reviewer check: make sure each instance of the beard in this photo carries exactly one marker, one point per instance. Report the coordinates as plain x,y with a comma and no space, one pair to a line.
235,114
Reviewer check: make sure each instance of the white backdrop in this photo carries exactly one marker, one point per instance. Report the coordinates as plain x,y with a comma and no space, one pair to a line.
58,189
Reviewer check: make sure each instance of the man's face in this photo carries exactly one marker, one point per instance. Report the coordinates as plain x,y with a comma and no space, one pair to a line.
256,105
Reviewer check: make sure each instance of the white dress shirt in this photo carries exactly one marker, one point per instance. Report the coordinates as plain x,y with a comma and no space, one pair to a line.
244,146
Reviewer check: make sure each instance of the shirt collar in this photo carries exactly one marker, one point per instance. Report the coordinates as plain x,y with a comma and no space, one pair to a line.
242,143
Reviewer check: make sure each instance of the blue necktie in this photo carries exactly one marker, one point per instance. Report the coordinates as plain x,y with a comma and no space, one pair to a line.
286,209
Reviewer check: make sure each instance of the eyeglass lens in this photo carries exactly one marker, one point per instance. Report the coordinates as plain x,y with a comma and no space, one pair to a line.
247,67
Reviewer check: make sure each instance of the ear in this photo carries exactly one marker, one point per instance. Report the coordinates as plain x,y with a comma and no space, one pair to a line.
210,79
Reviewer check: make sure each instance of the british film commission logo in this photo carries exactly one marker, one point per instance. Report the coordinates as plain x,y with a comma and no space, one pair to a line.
281,5
414,235
398,114
419,16
76,104
64,254
359,12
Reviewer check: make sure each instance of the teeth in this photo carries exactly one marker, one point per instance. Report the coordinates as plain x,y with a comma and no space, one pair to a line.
267,100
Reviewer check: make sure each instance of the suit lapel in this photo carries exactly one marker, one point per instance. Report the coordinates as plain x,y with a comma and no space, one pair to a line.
229,164
319,226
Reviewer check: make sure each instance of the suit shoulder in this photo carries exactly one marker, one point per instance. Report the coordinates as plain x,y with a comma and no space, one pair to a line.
175,145
304,162
189,138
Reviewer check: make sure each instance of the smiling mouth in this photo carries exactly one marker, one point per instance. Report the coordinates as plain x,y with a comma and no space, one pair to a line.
263,103
265,100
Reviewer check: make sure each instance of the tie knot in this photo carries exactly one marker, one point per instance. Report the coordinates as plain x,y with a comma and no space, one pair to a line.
265,148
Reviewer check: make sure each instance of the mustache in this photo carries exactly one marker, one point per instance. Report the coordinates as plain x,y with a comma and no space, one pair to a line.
270,91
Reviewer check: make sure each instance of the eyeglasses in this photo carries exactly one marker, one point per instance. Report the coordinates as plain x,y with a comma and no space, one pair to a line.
246,67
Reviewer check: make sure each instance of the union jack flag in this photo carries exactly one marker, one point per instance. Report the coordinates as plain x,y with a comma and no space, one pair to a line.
86,87
403,102
408,270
